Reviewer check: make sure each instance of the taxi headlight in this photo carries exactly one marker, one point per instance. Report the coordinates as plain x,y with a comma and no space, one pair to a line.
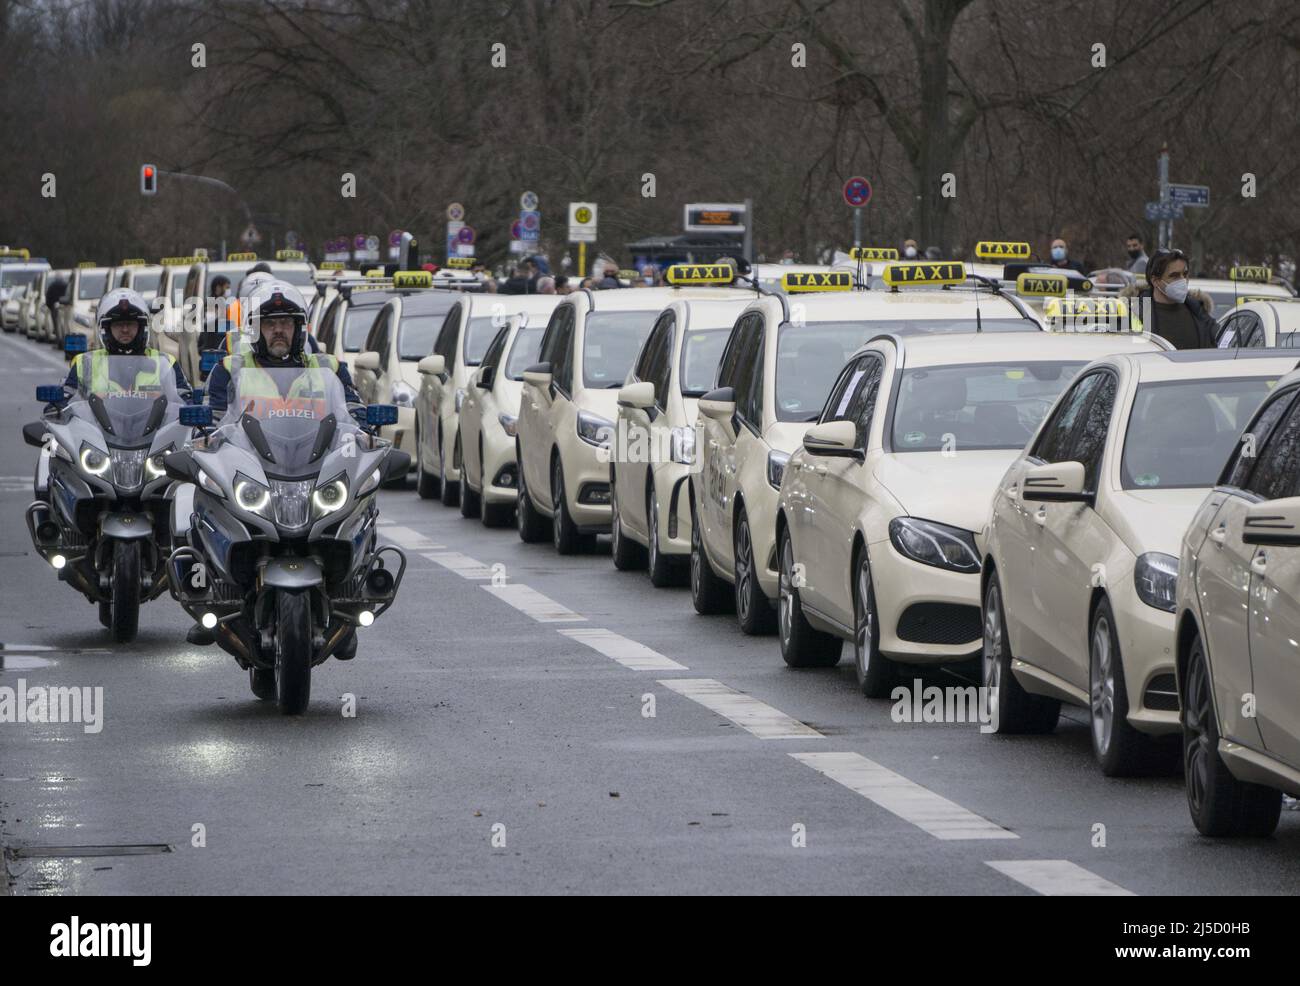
93,461
934,544
251,495
330,497
776,467
594,430
460,398
509,424
1156,579
682,445
403,396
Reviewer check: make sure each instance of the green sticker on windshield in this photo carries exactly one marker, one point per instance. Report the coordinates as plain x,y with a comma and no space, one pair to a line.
1015,374
913,437
1147,479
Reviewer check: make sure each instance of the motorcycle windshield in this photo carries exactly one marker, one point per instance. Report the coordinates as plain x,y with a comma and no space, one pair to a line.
282,415
128,397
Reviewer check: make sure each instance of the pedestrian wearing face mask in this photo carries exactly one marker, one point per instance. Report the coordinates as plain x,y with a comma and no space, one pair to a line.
910,251
1061,257
1137,256
1176,313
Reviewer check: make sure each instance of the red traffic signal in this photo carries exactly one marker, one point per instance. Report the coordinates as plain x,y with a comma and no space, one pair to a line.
148,179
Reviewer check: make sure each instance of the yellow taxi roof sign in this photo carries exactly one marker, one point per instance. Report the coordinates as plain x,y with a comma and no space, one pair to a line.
87,263
1086,308
290,255
412,279
679,274
925,273
461,263
816,280
1258,274
16,252
132,262
330,265
1001,250
1045,285
177,261
874,253
375,272
240,257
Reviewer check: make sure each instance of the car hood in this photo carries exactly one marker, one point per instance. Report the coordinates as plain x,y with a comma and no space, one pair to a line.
951,489
1153,520
786,436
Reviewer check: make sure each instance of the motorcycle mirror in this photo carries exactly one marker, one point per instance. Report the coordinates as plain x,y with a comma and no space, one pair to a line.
75,342
179,466
34,434
196,416
381,414
50,393
396,464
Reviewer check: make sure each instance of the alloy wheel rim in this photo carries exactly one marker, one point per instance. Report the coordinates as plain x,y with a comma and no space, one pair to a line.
654,529
696,559
1198,750
865,621
742,568
616,525
785,606
1102,690
992,660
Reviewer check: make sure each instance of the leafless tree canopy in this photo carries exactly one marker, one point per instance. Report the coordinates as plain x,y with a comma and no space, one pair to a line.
1004,95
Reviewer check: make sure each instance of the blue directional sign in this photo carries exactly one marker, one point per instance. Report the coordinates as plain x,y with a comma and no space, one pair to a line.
1193,195
1163,210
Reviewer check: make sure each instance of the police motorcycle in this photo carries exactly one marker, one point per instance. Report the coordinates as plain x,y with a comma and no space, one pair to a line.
278,550
101,517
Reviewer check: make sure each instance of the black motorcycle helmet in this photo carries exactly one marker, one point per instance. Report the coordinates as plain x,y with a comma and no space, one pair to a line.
120,305
278,299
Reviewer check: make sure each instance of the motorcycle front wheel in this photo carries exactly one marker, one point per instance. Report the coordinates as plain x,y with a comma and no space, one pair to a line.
293,652
125,607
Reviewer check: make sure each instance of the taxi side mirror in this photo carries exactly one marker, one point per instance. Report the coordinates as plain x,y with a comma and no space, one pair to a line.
539,375
836,438
366,361
432,366
1056,482
639,396
1273,522
485,378
720,404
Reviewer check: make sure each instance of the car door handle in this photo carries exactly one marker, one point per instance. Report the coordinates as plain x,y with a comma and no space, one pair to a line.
1219,535
1040,517
1259,564
819,469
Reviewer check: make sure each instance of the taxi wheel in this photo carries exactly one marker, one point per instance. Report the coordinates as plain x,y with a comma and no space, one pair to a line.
710,594
426,485
801,645
664,570
564,532
1219,803
626,552
753,611
448,490
876,673
1121,750
469,505
529,521
1010,708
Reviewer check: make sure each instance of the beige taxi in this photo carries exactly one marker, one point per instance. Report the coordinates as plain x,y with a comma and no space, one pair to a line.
1081,551
1259,324
76,309
1238,613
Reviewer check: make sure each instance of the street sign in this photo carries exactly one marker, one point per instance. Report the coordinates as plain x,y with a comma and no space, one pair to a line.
250,236
1163,210
515,231
1197,196
530,226
715,217
582,222
372,244
528,202
455,212
857,191
516,246
465,235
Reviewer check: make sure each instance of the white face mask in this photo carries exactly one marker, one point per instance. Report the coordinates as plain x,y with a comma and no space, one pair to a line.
1177,291
909,252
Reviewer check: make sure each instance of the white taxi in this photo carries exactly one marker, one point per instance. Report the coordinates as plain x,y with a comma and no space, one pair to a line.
76,309
783,354
168,305
489,415
1253,282
346,323
1254,323
652,452
1238,612
1081,558
468,329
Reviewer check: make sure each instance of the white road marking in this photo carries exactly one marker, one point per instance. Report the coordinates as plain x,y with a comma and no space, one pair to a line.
744,710
532,603
463,565
407,538
1058,878
911,802
627,652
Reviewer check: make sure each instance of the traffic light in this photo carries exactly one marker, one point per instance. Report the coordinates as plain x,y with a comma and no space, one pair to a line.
148,179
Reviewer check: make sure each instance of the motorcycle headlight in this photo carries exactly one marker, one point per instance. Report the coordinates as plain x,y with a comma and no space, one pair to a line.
210,484
251,495
594,430
330,497
509,424
404,396
776,467
460,398
93,460
1156,579
153,465
368,484
682,445
934,544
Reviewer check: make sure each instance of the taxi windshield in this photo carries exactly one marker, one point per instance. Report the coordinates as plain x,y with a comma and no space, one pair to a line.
18,278
610,346
278,415
1180,432
178,289
132,395
701,353
809,356
975,405
91,285
524,351
146,282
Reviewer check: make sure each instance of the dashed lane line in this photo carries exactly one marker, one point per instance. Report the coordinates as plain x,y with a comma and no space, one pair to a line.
463,565
532,603
745,711
630,654
405,537
1058,878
